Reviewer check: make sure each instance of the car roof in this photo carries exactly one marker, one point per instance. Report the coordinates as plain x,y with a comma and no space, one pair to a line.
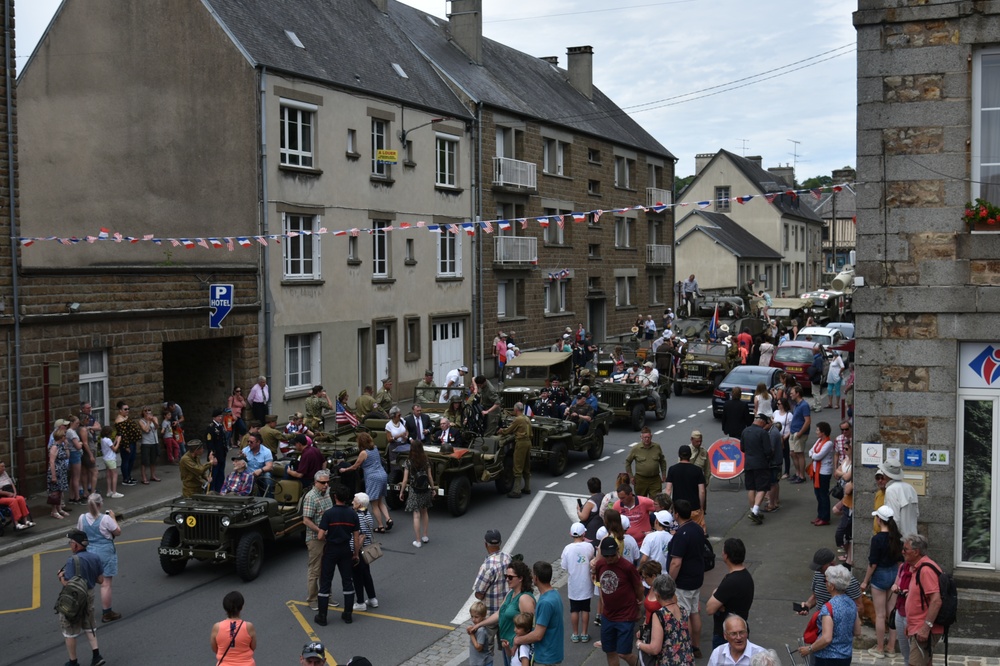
818,330
757,372
797,343
538,359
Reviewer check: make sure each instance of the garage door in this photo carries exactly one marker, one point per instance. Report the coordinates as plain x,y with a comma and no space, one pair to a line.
447,348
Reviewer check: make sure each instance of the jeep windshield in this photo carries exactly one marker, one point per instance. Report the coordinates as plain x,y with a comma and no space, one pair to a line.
707,349
794,355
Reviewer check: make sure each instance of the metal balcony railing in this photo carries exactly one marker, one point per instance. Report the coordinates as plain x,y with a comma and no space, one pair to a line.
515,250
514,173
658,255
656,196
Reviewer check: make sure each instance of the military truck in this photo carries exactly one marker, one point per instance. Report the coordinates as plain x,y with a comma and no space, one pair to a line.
703,367
229,528
527,374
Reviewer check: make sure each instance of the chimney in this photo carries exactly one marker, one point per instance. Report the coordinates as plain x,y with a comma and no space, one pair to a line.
756,159
786,173
552,60
701,160
845,175
466,25
580,64
381,5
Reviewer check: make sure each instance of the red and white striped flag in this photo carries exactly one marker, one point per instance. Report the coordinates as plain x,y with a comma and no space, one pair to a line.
346,418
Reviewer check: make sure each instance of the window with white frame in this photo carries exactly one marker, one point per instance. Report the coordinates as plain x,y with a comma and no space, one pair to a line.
352,142
986,125
380,249
509,298
449,254
655,289
554,153
624,232
556,295
555,233
502,288
94,383
447,160
380,141
296,130
786,237
302,357
624,290
722,199
624,168
786,271
302,246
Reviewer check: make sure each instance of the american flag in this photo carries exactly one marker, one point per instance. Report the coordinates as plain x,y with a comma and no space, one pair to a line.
346,418
488,226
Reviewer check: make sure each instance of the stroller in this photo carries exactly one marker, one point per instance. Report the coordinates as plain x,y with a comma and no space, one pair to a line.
6,519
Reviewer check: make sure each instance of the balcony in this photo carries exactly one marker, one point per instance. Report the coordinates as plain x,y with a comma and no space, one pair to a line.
514,173
515,250
657,255
655,197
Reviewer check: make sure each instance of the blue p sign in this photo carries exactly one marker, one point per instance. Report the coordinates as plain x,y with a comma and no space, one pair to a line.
220,302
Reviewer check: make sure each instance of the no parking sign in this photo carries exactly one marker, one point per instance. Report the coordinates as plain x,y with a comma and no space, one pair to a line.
726,458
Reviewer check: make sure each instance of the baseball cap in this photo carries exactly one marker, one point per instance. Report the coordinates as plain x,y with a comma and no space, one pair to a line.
884,512
822,557
359,661
314,649
602,532
493,537
61,423
664,518
577,529
239,456
626,523
463,368
78,536
216,412
609,546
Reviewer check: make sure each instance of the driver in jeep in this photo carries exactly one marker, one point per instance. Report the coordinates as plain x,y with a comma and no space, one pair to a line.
581,413
650,377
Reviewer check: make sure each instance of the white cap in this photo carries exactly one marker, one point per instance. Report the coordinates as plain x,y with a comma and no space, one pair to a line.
626,523
884,512
664,518
577,529
602,532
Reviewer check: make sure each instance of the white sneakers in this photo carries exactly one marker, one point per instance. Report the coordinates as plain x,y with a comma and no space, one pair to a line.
372,603
417,544
424,539
360,606
116,496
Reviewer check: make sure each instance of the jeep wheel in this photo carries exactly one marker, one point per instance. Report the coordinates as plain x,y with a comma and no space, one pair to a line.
638,416
505,482
392,496
249,555
558,458
171,565
459,494
597,449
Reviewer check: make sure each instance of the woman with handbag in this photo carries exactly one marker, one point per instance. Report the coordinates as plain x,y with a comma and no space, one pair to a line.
364,585
58,476
884,556
418,479
830,637
668,642
821,471
233,639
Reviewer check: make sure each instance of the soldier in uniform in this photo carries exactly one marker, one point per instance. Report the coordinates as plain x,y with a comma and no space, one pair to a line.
383,399
271,435
559,396
424,392
489,400
215,441
520,427
193,470
456,412
365,403
543,405
315,404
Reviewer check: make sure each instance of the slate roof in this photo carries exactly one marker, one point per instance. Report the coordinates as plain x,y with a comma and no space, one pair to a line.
846,204
725,232
769,183
348,43
522,84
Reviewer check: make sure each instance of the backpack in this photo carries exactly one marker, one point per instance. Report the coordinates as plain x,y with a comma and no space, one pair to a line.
949,596
421,482
812,632
74,597
708,555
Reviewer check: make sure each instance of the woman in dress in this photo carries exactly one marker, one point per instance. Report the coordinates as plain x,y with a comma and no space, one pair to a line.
149,446
237,403
233,639
10,499
364,585
766,353
884,556
784,417
762,400
101,529
395,435
669,639
376,481
58,476
519,600
418,501
128,434
821,471
838,623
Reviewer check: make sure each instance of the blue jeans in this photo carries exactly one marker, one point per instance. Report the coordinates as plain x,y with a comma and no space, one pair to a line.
128,461
823,497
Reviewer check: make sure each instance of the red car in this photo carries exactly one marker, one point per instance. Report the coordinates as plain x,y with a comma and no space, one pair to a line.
795,357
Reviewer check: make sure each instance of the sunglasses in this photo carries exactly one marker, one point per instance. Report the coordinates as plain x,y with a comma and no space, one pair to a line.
509,576
844,429
325,483
124,409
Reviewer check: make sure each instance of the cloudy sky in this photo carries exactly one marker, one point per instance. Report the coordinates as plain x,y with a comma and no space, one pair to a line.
699,75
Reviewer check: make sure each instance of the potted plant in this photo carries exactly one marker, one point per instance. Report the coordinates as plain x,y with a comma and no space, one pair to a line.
982,216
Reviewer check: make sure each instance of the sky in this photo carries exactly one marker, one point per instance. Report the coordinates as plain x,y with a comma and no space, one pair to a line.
775,79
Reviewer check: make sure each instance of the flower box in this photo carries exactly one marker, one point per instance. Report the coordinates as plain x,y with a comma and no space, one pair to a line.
982,217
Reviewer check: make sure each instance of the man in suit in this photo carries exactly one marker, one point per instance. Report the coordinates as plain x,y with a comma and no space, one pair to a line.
418,426
447,436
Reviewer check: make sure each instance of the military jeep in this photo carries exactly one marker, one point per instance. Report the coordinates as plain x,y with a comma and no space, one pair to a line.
527,374
703,367
229,528
632,401
552,439
454,471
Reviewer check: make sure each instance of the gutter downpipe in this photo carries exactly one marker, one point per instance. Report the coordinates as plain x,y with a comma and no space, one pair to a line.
17,461
477,200
265,286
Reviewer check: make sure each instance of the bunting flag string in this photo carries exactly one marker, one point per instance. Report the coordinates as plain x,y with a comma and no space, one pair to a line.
470,228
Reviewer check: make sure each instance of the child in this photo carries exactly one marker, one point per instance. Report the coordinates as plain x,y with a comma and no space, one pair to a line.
109,451
576,558
521,654
480,649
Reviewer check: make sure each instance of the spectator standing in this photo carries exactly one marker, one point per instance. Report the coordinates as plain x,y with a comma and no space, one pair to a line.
149,445
838,623
686,481
656,545
821,471
91,451
799,426
109,453
823,560
519,599
923,600
480,645
101,530
669,641
339,528
376,480
258,398
777,449
834,380
128,435
687,568
170,443
575,560
547,635
636,509
418,478
844,477
783,417
236,404
901,496
234,639
75,445
650,465
316,502
884,556
901,589
215,442
490,586
737,650
589,512
735,417
734,595
621,595
87,566
364,584
58,475
755,444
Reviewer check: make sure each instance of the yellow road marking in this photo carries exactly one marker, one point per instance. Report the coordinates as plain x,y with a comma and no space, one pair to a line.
432,625
307,627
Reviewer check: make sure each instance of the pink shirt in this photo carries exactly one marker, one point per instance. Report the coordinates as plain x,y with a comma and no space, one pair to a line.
638,516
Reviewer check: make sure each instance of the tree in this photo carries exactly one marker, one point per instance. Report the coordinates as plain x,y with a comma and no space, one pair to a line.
817,181
681,183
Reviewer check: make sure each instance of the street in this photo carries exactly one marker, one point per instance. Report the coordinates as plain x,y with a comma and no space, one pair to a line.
423,593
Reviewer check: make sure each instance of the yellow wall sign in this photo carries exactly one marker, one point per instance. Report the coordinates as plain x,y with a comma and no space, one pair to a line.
387,156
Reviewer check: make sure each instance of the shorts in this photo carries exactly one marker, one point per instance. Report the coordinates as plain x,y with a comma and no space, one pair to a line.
689,600
797,443
75,457
72,629
884,577
85,462
148,453
758,479
775,475
110,464
579,605
617,636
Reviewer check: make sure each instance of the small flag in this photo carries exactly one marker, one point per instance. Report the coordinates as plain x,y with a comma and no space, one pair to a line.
243,241
543,222
434,228
579,217
704,204
405,225
147,237
453,228
504,225
597,215
770,197
792,194
187,243
175,242
204,243
355,232
346,418
118,237
421,223
104,234
817,193
340,233
91,239
261,239
745,198
469,227
229,244
216,243
488,226
838,188
27,242
560,221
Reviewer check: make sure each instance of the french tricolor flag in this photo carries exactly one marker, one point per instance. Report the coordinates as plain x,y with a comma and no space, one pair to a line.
543,221
745,198
104,234
243,241
504,225
579,217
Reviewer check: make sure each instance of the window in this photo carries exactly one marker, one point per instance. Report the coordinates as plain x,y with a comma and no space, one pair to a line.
352,249
510,294
297,133
380,249
352,142
654,227
380,141
594,250
722,199
506,142
555,233
301,253
593,187
786,237
510,212
624,169
408,153
301,361
986,126
554,154
447,161
502,287
412,351
624,230
653,175
411,257
593,156
449,254
624,290
655,289
556,296
786,270
94,383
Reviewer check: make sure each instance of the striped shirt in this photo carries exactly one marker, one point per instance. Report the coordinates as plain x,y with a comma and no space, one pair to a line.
491,582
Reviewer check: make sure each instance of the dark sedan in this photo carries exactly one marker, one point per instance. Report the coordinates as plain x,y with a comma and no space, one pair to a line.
747,377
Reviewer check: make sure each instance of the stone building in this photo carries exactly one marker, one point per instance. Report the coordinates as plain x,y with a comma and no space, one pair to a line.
928,90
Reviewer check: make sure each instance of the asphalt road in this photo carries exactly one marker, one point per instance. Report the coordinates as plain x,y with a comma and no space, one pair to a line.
423,593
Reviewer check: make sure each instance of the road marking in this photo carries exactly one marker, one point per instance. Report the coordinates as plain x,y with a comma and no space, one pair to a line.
570,505
553,484
691,416
670,426
570,475
619,451
588,466
681,421
658,432
308,627
702,411
604,458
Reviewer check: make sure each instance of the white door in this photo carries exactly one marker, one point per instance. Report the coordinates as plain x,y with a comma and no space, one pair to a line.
382,356
447,348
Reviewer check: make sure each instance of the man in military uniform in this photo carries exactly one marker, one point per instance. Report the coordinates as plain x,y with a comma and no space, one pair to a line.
424,392
489,400
559,396
581,413
365,403
315,404
270,435
383,399
193,470
215,442
699,457
650,465
520,428
543,405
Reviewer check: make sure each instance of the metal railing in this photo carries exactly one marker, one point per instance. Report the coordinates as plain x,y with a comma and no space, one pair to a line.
516,173
658,255
656,196
515,250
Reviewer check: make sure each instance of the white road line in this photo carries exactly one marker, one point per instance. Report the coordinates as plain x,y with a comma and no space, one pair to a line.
670,426
633,445
619,451
588,466
604,458
702,411
658,432
681,421
553,484
570,475
691,416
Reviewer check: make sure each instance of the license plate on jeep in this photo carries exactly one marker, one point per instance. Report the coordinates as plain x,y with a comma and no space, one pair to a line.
171,552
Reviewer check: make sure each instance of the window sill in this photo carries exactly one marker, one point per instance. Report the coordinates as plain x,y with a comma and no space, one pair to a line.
596,227
512,318
353,156
409,357
410,262
353,262
383,280
556,315
557,175
596,195
595,163
293,393
626,307
308,171
624,248
381,180
448,189
448,278
304,282
625,189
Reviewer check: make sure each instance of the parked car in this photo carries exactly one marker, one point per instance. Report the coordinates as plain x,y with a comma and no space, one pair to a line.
823,335
846,328
794,358
747,377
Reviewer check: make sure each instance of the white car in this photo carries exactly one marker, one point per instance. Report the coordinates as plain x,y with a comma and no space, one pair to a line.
821,334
